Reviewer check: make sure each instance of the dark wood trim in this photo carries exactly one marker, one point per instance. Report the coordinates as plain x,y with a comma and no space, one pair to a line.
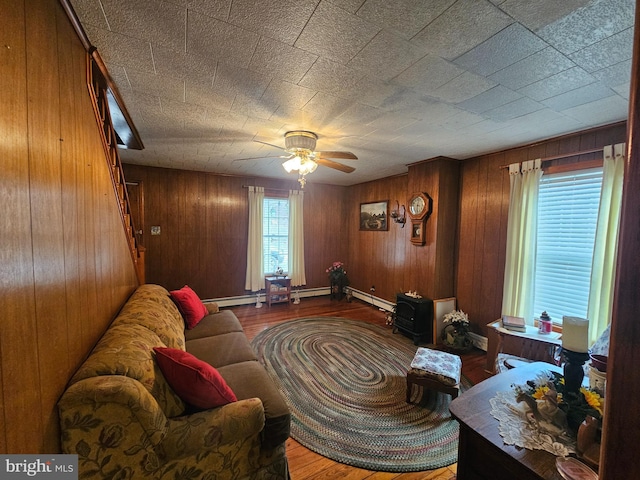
620,432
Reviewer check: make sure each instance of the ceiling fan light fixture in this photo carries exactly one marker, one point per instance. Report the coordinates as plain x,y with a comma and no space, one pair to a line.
307,166
300,139
292,164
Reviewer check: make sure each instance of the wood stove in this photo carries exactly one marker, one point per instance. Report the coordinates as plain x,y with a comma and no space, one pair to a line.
414,318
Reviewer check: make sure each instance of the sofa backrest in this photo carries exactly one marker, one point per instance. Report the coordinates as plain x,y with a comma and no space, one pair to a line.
127,350
151,306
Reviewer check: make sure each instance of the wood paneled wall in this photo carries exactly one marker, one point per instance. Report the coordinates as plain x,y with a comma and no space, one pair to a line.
484,208
65,264
203,222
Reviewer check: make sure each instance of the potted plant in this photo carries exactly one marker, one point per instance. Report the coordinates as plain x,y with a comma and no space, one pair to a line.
456,331
338,278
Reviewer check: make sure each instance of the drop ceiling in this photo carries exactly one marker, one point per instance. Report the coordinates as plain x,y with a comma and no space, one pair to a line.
393,81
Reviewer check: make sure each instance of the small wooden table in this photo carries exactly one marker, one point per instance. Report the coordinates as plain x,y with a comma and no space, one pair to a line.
277,289
481,452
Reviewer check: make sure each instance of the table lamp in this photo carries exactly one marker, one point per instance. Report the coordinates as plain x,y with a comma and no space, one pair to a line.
575,349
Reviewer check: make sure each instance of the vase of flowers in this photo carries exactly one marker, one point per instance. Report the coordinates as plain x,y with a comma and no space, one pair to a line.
337,278
456,330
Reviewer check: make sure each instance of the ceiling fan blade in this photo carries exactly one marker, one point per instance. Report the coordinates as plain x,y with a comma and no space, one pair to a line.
270,144
345,155
261,158
335,165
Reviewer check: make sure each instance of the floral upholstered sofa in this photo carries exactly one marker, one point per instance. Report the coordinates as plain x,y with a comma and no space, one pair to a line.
122,418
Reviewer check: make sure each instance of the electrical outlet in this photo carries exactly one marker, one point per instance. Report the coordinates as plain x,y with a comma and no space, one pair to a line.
373,288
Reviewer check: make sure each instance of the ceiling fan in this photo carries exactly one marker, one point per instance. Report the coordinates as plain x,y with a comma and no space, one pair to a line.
301,155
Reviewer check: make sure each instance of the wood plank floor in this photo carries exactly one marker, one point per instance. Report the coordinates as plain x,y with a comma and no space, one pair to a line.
305,464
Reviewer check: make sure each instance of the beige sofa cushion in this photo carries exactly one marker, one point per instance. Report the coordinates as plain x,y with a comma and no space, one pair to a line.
128,350
223,349
215,324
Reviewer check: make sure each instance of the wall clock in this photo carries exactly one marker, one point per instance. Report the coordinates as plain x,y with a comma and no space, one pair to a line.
420,206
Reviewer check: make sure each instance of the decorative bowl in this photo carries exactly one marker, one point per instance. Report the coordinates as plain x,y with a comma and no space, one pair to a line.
599,362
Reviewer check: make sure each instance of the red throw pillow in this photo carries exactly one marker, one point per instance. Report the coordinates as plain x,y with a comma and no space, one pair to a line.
196,382
190,306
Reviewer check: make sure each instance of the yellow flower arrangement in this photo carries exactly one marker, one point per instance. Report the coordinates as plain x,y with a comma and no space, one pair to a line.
576,406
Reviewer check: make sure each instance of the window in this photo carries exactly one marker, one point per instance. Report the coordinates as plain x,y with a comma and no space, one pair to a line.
275,234
567,217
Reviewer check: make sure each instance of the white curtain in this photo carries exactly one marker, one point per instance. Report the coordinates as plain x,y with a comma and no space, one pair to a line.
519,274
296,238
603,270
254,279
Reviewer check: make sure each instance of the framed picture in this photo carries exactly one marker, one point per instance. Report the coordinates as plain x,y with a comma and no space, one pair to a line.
441,307
374,216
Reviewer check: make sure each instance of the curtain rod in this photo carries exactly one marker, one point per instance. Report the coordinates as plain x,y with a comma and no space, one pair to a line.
564,155
269,188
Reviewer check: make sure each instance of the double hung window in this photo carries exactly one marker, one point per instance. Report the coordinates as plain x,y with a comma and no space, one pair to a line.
567,219
275,234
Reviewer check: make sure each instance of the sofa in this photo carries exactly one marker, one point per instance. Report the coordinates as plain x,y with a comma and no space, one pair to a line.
124,420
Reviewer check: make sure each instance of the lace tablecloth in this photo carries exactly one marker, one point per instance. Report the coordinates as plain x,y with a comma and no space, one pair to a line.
518,428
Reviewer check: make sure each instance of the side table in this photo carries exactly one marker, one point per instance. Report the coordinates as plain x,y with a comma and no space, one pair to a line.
277,289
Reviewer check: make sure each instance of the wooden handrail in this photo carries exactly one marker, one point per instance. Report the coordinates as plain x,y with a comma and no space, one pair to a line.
124,126
96,84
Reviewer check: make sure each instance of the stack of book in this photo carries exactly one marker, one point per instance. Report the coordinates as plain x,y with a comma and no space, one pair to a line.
515,324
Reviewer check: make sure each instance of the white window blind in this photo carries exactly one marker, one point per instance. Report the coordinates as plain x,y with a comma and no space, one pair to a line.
567,216
275,234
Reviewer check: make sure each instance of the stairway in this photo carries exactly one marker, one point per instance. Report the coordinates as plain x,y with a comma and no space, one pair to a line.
99,92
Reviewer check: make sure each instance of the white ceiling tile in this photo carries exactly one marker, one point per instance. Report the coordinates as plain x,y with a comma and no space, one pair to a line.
490,99
91,13
618,74
537,14
281,20
165,23
610,51
335,34
278,59
208,37
605,111
405,17
385,56
533,68
556,84
181,64
212,8
512,110
503,49
461,88
285,93
121,50
579,96
588,25
230,81
153,84
623,90
456,32
330,77
428,74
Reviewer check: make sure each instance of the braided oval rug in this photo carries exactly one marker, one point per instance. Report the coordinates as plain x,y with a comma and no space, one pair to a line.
345,383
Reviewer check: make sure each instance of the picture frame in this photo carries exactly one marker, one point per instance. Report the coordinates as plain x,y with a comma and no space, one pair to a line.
441,307
374,216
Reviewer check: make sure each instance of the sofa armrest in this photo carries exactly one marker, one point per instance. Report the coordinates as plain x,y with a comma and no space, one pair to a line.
208,429
212,307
